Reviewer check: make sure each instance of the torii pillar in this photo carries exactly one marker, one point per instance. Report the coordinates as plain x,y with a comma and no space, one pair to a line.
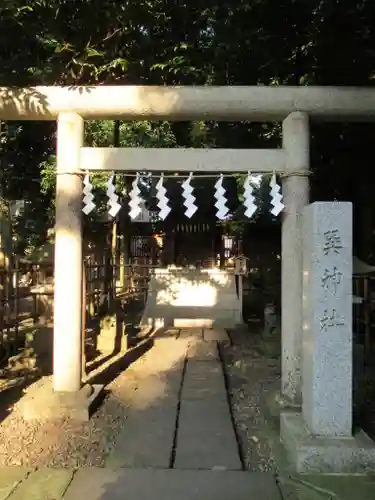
67,397
295,188
67,344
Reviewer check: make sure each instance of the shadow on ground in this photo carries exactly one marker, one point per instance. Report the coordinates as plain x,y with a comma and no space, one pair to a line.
28,362
110,367
135,382
107,336
34,358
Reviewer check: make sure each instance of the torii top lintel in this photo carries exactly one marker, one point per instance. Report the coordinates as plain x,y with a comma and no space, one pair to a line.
233,103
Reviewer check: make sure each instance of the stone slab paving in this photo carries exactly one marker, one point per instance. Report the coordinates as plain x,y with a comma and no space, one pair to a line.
147,438
43,484
133,484
203,379
205,437
205,434
203,351
198,371
215,335
10,478
169,385
148,433
193,332
165,333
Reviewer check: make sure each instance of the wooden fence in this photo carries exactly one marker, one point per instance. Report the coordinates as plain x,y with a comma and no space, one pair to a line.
26,295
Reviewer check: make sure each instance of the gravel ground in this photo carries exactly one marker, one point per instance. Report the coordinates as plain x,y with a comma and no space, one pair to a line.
62,443
67,443
250,376
70,444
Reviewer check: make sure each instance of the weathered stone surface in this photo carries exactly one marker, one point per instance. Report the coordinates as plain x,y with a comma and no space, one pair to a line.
192,298
168,333
200,370
295,190
320,486
206,438
203,351
10,478
204,380
147,438
195,332
44,484
44,403
311,454
327,319
215,335
148,434
320,439
105,484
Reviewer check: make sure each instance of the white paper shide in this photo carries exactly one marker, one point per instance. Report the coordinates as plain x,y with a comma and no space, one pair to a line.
189,199
88,203
219,195
276,197
161,195
114,205
249,199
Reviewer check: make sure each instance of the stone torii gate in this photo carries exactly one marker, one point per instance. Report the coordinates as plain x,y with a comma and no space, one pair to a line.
293,106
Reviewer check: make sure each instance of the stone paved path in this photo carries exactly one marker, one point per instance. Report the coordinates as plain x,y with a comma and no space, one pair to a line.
178,441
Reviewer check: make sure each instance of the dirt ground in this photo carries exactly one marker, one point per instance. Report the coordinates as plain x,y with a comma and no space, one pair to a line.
65,443
251,375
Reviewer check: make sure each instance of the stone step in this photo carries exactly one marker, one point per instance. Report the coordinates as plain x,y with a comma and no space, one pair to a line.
172,484
206,438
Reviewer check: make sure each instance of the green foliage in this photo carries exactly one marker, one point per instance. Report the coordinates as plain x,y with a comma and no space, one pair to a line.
236,42
101,134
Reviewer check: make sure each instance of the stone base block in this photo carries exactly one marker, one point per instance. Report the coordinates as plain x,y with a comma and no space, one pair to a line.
284,402
46,404
226,320
275,404
312,454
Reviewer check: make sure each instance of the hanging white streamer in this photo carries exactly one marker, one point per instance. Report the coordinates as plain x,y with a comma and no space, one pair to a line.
161,192
222,209
276,197
249,199
113,204
189,203
135,199
88,198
